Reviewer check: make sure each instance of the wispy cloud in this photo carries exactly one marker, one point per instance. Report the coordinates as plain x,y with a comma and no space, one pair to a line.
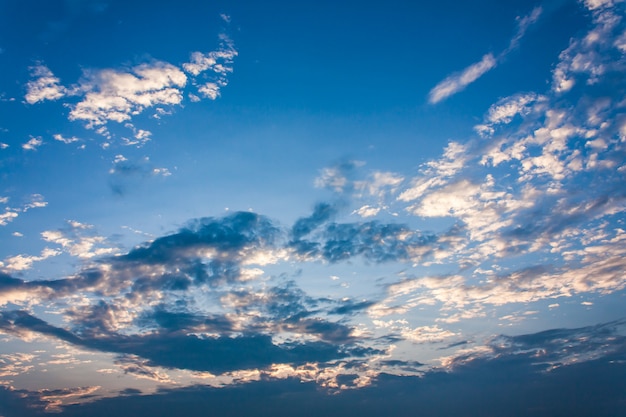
459,81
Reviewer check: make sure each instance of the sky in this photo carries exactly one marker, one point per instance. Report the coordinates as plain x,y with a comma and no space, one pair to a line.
312,208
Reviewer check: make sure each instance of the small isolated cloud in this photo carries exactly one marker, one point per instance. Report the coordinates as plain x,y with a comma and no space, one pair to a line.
32,144
25,262
457,82
8,216
43,86
67,141
367,211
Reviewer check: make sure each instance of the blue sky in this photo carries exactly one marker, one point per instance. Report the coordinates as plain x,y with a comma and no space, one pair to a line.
331,204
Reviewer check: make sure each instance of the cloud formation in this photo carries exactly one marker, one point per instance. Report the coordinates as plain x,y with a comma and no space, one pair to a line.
118,95
459,81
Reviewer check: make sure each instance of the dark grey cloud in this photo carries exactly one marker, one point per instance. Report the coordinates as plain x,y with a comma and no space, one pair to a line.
322,213
508,384
175,349
511,381
350,307
374,241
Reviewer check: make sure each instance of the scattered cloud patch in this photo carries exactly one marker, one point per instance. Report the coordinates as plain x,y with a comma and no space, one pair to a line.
44,85
32,144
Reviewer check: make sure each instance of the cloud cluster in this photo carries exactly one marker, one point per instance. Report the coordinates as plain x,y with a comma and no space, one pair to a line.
118,95
12,212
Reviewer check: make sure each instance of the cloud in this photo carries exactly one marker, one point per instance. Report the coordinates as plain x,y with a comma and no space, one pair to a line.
65,140
111,95
32,144
523,23
595,55
189,351
117,95
24,262
219,61
508,370
78,239
44,86
459,81
339,178
11,213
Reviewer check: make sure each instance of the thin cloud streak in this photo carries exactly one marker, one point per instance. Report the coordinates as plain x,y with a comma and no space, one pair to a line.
457,82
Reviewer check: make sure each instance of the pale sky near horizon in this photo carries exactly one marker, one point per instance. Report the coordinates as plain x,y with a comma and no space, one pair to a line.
347,194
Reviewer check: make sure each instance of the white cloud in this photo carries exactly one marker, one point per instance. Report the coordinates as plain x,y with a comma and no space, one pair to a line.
65,140
164,172
11,213
381,182
218,61
506,109
438,172
44,86
32,144
113,95
367,211
24,262
79,240
589,57
598,4
36,201
457,82
7,217
210,90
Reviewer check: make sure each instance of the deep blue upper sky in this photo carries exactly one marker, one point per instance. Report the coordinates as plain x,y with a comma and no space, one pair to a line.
366,197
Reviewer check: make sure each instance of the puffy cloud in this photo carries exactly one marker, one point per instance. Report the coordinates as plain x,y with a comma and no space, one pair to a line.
112,95
32,144
44,86
594,55
120,94
24,262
